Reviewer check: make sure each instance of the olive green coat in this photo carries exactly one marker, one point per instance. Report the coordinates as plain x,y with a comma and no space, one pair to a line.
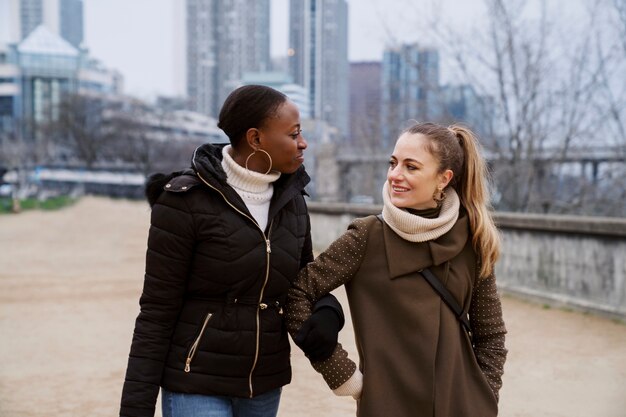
415,357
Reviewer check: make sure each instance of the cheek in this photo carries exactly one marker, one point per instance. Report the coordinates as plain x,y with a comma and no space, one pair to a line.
285,146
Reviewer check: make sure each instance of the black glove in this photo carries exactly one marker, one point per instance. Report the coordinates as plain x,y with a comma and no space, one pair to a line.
318,335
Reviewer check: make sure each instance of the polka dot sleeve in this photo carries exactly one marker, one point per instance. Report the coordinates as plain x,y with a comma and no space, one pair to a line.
488,331
337,265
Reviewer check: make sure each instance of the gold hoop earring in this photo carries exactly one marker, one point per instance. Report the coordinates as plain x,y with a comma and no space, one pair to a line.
439,196
268,157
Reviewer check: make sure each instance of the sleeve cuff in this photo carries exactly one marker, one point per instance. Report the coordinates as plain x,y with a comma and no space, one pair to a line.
352,386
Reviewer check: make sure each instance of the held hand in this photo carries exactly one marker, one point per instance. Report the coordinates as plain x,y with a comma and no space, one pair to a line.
352,387
318,335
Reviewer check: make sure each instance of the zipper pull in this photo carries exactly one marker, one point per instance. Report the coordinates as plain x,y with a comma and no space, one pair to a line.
269,248
187,365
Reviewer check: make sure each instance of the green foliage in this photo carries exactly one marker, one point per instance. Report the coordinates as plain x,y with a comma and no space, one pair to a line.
53,203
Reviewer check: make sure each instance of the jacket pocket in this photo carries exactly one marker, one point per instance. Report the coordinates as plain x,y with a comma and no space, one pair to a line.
194,346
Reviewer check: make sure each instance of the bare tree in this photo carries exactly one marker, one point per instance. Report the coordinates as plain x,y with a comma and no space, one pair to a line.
143,140
546,89
81,126
14,156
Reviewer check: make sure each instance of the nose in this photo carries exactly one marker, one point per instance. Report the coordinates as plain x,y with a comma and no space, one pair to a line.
302,143
394,173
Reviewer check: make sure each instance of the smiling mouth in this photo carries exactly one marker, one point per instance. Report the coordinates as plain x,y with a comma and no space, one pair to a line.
398,189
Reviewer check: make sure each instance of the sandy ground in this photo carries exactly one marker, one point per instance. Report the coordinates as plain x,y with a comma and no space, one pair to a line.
69,285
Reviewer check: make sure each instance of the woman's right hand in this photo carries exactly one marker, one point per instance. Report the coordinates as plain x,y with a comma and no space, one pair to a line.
352,387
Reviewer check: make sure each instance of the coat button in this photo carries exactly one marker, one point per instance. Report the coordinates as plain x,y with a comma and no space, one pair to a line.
263,306
168,185
183,187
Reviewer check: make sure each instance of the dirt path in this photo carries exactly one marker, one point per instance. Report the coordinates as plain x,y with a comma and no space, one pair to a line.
69,285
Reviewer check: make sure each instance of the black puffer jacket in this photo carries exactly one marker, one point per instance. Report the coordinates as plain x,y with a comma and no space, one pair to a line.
211,309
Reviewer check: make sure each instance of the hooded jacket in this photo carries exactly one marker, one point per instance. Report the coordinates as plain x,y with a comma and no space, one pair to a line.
211,319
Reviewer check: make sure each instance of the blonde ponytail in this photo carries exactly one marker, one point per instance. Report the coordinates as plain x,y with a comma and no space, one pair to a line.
473,191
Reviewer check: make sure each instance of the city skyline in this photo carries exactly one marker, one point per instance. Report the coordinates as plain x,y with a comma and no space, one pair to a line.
149,49
148,57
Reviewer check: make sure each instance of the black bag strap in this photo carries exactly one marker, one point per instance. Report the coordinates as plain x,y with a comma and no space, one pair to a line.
445,295
447,298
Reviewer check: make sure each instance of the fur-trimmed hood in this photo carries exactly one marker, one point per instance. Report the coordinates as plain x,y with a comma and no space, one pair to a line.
209,160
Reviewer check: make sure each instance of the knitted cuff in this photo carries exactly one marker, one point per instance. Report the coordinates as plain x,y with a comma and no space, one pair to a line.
352,386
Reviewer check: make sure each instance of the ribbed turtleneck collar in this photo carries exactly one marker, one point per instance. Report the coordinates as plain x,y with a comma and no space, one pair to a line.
429,213
416,228
240,178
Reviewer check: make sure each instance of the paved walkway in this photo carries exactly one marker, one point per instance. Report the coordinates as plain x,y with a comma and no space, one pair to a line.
69,285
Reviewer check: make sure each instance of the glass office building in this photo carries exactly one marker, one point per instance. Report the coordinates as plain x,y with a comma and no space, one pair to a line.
410,88
318,57
35,73
225,39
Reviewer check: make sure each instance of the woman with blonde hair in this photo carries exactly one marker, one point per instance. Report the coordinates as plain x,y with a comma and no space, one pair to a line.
435,245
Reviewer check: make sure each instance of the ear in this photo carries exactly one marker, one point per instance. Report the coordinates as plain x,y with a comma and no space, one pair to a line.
253,137
445,178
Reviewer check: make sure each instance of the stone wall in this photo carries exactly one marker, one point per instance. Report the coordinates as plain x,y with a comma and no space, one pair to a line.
572,261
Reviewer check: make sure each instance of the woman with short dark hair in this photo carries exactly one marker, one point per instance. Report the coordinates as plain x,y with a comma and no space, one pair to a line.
226,239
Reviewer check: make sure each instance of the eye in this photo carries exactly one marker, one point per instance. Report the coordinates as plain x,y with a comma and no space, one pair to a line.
411,167
295,135
392,163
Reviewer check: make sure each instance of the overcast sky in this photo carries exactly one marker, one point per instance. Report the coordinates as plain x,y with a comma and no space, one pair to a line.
144,38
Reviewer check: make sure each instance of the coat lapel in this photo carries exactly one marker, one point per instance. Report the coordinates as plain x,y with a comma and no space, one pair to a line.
404,257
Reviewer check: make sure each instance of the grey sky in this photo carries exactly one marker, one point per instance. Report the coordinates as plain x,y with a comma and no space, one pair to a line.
143,38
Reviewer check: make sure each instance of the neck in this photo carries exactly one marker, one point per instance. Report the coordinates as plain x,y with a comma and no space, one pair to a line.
240,178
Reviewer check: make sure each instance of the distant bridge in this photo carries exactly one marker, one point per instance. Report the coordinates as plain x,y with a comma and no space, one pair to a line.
573,155
348,176
101,181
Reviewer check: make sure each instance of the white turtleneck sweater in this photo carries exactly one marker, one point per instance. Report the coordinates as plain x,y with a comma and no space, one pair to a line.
254,188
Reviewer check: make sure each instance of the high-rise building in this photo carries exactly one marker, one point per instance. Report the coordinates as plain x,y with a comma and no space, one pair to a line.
19,18
365,88
225,38
202,44
71,21
31,16
318,57
410,88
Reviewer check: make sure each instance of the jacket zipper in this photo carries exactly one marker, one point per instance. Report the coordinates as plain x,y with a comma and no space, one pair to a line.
268,251
260,306
192,350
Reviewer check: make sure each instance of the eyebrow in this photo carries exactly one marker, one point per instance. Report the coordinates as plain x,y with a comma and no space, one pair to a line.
408,160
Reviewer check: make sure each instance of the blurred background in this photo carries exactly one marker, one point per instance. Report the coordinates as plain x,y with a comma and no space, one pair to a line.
95,95
131,87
